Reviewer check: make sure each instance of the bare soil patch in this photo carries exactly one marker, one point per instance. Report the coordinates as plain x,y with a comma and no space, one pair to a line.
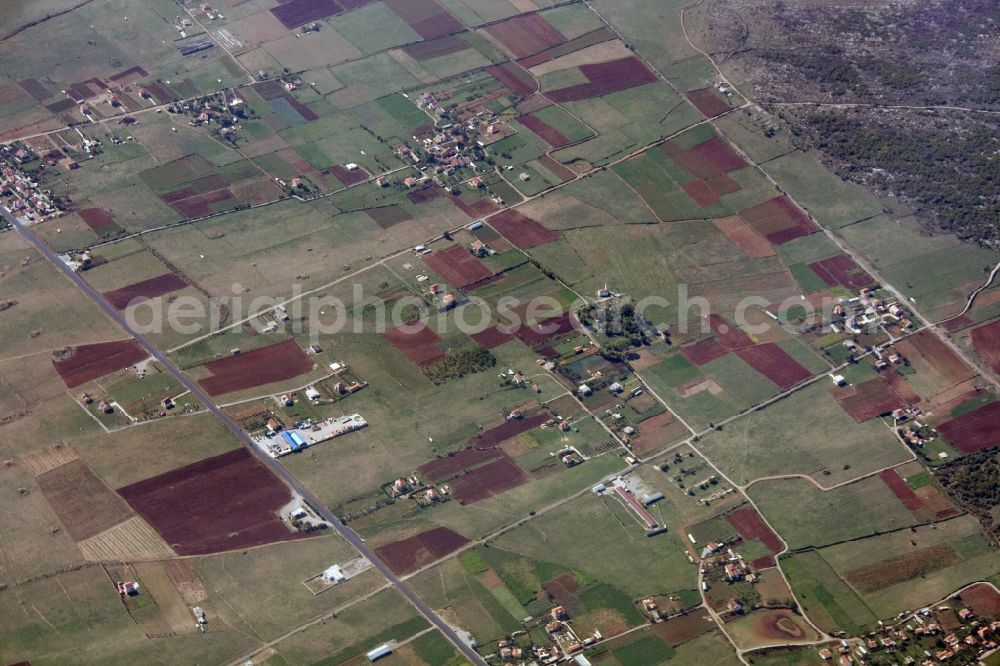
408,555
86,362
264,365
220,503
84,504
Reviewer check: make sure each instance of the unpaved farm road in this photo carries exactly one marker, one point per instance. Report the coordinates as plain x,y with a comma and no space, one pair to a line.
277,469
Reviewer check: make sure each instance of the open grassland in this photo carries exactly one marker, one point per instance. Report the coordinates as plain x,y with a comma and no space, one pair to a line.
48,313
827,445
826,599
619,551
260,591
805,516
937,272
385,617
76,617
139,452
913,568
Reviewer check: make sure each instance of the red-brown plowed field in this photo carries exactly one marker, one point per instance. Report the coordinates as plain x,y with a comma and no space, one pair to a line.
389,216
476,209
424,194
941,357
437,48
691,161
408,555
709,103
525,35
718,151
605,78
491,337
774,363
778,220
96,218
348,177
702,352
447,467
547,132
427,18
201,205
519,81
508,429
130,73
899,488
602,34
418,346
93,361
556,168
730,336
867,400
264,365
35,88
751,526
700,193
486,481
221,503
146,289
683,628
722,184
841,270
521,230
542,331
986,340
899,385
294,13
744,237
978,429
982,600
458,266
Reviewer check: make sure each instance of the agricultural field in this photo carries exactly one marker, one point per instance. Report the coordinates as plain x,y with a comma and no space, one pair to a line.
492,331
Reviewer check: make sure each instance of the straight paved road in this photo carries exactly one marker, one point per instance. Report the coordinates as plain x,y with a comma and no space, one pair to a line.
277,469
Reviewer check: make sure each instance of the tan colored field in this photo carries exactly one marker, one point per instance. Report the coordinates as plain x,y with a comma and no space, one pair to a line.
744,237
185,579
85,505
39,462
523,5
602,52
132,539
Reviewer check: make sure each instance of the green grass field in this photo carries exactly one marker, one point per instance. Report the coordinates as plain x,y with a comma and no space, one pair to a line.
805,516
619,552
825,598
828,444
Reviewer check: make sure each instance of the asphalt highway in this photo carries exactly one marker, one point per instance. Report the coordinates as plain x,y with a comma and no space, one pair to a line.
276,468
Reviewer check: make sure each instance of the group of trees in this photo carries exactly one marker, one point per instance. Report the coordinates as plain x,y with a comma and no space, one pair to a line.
459,364
953,172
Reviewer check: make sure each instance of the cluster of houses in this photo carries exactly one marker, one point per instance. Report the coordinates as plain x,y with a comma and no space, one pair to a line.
922,640
412,487
20,193
520,648
866,310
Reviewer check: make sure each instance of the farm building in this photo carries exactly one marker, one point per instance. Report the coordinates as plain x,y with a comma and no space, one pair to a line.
379,652
335,574
296,439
